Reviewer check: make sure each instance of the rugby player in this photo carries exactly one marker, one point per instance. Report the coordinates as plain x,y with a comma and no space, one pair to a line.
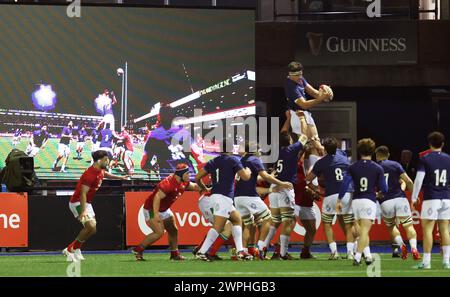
368,178
222,169
81,203
157,211
395,207
433,172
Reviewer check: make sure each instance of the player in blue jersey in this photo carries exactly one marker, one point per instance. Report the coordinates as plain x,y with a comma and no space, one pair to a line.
222,169
17,136
38,140
107,108
64,147
82,135
433,172
368,178
296,88
282,204
332,168
249,203
395,207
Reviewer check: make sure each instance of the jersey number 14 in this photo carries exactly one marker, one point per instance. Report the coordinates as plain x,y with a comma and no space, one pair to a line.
441,177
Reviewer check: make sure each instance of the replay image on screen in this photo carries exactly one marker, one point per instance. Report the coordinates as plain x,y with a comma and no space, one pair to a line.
115,78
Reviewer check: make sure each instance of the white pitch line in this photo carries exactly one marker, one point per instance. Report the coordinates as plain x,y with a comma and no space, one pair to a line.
319,272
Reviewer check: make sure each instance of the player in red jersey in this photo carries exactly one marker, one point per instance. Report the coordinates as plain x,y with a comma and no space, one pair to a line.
80,202
304,210
157,211
126,155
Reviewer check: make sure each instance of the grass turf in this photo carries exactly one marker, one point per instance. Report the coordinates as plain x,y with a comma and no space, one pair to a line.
158,265
43,161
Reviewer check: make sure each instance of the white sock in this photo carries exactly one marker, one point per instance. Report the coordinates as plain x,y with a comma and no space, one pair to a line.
398,240
355,247
333,247
350,247
367,253
358,257
261,245
446,252
237,236
210,238
284,242
427,258
272,231
413,243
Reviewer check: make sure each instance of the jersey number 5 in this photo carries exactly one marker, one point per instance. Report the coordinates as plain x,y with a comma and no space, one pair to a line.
279,166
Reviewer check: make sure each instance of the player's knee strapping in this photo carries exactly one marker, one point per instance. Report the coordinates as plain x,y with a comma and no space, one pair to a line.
348,218
327,218
276,218
287,215
263,216
405,222
390,222
248,220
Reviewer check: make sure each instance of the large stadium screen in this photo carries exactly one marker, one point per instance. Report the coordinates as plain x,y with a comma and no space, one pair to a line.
115,78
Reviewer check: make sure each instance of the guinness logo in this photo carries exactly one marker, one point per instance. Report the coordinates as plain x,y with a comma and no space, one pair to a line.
315,42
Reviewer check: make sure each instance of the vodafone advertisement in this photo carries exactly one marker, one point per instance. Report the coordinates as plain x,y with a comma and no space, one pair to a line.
13,220
192,227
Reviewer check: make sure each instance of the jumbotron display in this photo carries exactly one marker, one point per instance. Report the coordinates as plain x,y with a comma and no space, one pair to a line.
115,79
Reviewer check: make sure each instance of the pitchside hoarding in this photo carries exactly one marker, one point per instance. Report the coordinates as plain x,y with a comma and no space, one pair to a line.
192,227
357,43
13,220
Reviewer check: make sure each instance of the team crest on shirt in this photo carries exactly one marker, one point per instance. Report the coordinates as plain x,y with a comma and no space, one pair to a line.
328,207
430,211
286,200
253,206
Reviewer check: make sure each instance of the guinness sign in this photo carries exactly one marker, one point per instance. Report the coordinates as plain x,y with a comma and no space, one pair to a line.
361,43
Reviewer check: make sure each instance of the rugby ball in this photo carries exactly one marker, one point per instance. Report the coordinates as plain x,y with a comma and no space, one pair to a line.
327,89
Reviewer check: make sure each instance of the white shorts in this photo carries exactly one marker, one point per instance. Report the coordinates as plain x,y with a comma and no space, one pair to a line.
247,205
304,212
206,206
220,205
435,209
364,209
396,207
80,145
295,121
63,149
329,204
284,198
32,150
75,208
164,215
109,119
